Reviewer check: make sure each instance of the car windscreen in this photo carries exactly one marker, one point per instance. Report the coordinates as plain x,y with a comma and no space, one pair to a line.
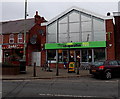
98,63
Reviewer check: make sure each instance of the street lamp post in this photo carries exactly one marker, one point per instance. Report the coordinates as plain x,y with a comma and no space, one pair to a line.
23,61
24,50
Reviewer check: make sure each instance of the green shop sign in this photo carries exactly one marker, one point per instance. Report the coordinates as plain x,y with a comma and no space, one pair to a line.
93,44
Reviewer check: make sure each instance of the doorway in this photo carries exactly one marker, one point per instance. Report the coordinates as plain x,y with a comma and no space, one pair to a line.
36,58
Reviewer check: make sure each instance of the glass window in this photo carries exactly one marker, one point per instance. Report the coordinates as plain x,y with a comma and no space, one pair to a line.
84,55
86,36
62,28
98,24
86,26
90,55
52,38
51,55
99,54
20,38
52,28
63,37
11,38
85,17
99,36
63,20
74,27
74,37
74,17
60,56
113,63
71,57
98,63
52,31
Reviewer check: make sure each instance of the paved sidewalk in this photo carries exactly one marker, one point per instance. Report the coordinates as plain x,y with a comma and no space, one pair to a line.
42,74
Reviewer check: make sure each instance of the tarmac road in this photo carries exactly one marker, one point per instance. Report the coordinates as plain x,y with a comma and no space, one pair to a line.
65,88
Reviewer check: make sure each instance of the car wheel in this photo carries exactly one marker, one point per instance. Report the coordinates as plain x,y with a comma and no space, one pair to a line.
108,75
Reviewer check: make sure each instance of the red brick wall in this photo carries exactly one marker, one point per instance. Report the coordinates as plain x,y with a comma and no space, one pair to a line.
38,47
117,37
6,37
110,39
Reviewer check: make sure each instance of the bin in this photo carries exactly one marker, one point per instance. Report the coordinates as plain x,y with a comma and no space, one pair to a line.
22,66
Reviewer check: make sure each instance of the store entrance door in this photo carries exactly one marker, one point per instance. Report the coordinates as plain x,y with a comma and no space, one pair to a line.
36,58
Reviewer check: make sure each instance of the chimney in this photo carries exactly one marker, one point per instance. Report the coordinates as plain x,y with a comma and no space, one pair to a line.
37,18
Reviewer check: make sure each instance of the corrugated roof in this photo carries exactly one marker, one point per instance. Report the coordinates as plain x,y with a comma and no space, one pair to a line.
16,26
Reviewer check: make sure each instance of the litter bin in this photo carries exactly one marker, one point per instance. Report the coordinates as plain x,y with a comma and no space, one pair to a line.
22,66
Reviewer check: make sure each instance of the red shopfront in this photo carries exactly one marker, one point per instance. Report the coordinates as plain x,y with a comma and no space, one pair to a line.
12,53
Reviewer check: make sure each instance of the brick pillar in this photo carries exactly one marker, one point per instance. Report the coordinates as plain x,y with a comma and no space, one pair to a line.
110,39
43,57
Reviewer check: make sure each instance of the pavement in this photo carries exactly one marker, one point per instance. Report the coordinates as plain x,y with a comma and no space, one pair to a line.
42,74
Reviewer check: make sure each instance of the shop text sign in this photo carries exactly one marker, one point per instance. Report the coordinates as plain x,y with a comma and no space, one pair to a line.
93,44
13,46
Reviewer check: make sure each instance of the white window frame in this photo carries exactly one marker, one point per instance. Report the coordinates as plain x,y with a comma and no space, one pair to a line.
11,37
20,37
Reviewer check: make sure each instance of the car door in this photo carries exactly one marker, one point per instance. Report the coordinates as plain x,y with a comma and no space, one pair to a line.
113,65
118,67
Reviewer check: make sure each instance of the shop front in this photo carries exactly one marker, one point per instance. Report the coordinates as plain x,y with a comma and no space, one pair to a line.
12,53
79,52
76,35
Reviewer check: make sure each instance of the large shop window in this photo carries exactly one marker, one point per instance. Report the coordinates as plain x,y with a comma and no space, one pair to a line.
99,54
51,55
87,55
52,31
60,58
20,38
11,38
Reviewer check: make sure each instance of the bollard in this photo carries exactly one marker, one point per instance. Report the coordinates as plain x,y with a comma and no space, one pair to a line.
78,64
34,70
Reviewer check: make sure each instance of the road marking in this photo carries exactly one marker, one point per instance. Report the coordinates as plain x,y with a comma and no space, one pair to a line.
60,95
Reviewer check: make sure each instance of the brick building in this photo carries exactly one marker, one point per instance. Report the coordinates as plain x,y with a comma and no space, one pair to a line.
117,34
13,37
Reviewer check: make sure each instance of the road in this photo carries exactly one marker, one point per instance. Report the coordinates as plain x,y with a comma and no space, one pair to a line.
85,87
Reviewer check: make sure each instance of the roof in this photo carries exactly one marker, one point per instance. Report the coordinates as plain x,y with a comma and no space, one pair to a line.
16,26
116,13
80,10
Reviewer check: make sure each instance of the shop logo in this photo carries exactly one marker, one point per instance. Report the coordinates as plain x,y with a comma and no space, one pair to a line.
85,44
69,45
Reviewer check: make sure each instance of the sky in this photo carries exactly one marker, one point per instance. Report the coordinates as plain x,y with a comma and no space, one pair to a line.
14,9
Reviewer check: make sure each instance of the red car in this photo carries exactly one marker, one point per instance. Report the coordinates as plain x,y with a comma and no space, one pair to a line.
105,69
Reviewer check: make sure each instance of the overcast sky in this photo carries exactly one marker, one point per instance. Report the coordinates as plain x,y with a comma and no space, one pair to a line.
13,10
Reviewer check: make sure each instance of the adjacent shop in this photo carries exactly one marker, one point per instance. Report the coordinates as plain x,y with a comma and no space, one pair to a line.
12,53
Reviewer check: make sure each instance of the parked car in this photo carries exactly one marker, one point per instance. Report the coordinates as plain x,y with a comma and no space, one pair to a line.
105,69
